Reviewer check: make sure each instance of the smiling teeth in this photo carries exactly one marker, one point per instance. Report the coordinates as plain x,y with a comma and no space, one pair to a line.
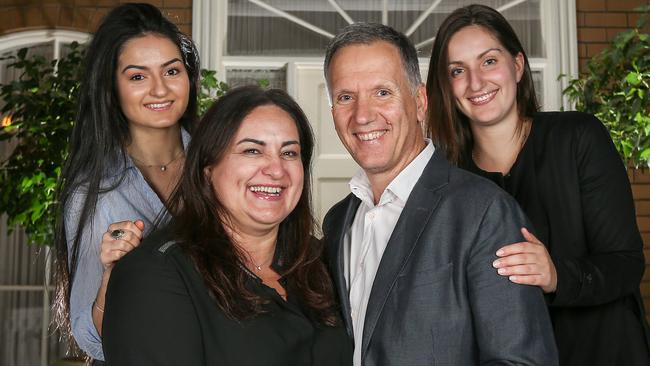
482,98
159,105
265,189
371,136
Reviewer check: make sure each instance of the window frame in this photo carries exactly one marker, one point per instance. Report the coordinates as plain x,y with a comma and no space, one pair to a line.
558,21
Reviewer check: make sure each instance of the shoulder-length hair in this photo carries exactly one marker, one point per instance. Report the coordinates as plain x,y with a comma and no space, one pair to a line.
100,132
447,126
201,221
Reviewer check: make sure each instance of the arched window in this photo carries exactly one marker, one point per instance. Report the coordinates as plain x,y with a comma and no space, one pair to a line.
25,284
283,41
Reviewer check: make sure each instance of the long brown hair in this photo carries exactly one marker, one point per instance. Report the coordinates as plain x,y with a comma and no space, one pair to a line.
447,126
201,221
100,132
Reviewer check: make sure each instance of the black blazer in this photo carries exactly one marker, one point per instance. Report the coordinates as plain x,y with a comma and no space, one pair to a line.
436,299
571,183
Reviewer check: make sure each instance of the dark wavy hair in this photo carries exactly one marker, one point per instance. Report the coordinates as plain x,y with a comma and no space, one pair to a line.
447,126
201,221
101,132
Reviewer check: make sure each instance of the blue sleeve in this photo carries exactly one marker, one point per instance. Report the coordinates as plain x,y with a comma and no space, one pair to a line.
88,274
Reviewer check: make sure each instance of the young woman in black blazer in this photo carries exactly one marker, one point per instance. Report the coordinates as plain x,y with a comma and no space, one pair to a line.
562,168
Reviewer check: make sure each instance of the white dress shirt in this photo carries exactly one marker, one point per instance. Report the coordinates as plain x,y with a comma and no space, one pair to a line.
368,236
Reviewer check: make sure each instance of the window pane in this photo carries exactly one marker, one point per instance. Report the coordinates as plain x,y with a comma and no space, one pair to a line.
275,78
254,30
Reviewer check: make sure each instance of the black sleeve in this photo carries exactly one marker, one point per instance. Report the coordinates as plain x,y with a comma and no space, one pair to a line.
614,264
149,318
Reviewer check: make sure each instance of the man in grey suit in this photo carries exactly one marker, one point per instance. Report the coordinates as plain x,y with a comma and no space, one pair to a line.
411,248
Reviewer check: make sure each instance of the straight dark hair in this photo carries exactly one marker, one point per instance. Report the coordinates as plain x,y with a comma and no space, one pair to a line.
201,222
101,132
447,126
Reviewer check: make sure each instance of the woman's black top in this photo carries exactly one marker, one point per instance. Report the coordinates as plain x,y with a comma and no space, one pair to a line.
571,183
159,312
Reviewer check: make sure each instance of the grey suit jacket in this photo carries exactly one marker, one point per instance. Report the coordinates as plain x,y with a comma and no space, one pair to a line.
436,299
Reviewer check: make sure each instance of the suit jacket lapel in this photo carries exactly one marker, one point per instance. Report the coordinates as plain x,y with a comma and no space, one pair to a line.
339,227
421,203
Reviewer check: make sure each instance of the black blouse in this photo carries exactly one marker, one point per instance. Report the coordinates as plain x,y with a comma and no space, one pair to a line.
571,183
159,312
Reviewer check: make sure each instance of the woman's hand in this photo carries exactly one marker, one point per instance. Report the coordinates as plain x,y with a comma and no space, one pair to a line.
121,238
527,263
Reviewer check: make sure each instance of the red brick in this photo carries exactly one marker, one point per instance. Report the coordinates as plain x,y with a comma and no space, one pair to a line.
606,19
97,18
583,5
592,35
177,3
66,16
12,19
582,50
643,222
82,18
594,48
613,32
626,5
642,208
34,17
639,175
641,191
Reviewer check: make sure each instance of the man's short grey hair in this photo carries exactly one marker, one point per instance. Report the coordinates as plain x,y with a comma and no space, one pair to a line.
367,33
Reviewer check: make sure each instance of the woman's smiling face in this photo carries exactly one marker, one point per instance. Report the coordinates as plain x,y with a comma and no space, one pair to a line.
259,180
483,76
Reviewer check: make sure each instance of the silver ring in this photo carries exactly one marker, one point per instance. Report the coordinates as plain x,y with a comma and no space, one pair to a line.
117,234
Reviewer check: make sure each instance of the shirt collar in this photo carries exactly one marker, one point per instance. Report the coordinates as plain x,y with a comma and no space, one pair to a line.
399,187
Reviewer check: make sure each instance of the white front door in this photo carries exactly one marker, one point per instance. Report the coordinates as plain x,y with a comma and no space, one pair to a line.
333,166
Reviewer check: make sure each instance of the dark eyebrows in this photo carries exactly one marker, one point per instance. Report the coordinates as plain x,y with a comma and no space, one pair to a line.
292,142
262,143
254,141
479,56
138,67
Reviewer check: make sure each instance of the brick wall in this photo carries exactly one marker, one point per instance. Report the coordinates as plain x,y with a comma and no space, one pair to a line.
598,23
79,15
600,20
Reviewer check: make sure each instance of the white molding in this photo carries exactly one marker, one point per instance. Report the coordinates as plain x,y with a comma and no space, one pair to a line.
28,38
569,40
209,27
560,39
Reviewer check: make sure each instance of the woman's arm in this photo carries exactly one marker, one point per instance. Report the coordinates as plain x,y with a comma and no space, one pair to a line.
113,249
615,263
87,275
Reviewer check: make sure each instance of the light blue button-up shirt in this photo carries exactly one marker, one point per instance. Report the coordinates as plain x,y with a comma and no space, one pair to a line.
132,200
